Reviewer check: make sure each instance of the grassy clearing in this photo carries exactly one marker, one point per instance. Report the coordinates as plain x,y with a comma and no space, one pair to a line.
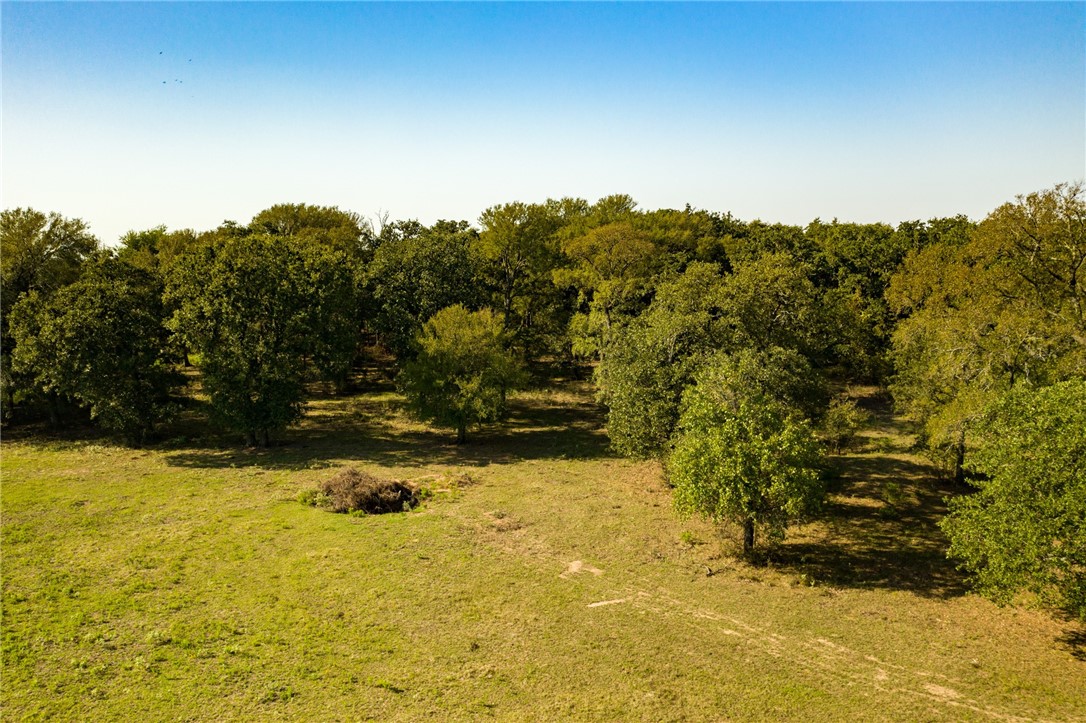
544,579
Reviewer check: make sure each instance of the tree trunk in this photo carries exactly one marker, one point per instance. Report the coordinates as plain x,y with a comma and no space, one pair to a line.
250,437
461,433
54,410
748,537
959,459
9,403
264,437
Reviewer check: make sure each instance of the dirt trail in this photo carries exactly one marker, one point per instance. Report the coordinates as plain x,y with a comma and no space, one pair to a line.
825,658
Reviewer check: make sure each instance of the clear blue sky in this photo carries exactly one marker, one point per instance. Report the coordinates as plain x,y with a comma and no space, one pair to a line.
131,115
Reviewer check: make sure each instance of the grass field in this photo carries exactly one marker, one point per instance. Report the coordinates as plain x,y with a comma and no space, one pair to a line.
545,579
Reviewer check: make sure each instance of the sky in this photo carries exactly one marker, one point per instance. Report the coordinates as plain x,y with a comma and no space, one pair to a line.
131,115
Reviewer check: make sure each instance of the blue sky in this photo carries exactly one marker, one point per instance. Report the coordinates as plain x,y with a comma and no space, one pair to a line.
131,115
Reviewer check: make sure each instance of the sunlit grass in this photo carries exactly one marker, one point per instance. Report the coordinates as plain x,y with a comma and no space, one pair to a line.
544,579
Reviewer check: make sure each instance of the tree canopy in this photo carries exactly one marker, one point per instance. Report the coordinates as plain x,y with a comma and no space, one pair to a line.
462,370
742,456
983,313
1025,527
413,277
255,308
102,341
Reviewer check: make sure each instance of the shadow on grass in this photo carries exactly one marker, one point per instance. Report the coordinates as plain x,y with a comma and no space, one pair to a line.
1075,642
372,429
880,525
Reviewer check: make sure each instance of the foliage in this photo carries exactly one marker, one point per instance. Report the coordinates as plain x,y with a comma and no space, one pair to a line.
413,277
100,340
768,306
771,302
1025,527
843,419
781,375
688,236
1005,307
518,251
154,249
649,362
344,231
611,270
743,457
462,370
38,252
254,308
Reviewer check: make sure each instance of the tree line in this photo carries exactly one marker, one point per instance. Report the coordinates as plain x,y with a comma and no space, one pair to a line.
715,343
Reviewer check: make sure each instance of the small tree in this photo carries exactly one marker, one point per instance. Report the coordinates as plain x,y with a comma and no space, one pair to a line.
462,371
1025,529
743,458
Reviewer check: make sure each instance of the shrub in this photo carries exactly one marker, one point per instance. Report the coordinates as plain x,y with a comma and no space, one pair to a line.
842,422
354,491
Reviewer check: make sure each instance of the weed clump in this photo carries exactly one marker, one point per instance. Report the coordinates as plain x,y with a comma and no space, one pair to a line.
352,491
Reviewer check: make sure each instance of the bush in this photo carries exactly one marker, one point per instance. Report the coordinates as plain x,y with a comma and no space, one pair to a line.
354,491
842,422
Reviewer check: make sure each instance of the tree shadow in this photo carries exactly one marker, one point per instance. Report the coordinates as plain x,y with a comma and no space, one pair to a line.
372,428
1075,642
880,527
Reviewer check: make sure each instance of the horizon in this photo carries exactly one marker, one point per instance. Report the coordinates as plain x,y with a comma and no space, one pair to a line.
131,116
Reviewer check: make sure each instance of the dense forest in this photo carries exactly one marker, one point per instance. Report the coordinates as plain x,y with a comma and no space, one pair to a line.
716,345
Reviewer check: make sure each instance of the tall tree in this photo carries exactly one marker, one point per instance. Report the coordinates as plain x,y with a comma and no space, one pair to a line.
413,277
518,249
611,268
1002,308
154,249
650,361
252,308
101,341
344,231
38,252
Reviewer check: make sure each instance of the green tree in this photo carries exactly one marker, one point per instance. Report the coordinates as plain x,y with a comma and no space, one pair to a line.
154,249
782,375
743,457
610,269
651,360
413,277
255,308
771,301
462,370
38,252
101,341
980,315
344,231
1025,527
518,251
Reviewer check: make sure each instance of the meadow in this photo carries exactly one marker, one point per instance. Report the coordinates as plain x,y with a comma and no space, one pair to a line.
542,578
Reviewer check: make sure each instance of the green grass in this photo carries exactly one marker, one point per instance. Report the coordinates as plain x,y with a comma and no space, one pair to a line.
187,581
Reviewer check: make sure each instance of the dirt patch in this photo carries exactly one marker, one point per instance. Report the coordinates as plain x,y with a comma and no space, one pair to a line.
577,567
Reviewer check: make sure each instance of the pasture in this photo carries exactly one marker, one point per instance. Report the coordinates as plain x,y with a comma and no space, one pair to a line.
543,578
